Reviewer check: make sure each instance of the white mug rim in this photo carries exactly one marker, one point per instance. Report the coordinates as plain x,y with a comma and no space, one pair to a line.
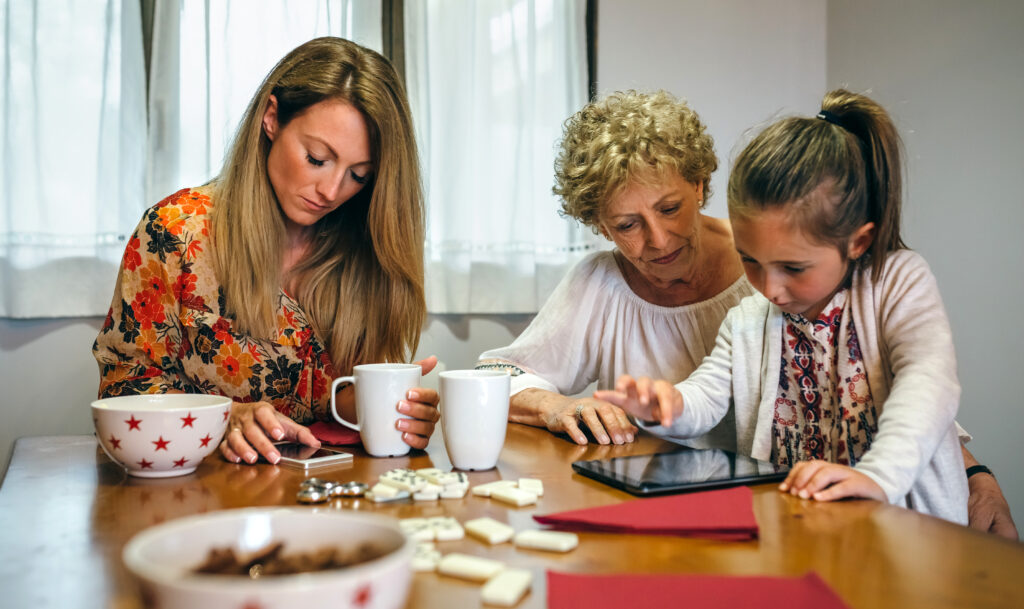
385,367
473,374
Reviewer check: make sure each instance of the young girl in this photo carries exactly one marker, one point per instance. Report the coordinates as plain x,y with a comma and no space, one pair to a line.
843,366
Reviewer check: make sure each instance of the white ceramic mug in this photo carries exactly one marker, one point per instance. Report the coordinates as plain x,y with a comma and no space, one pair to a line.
474,415
379,388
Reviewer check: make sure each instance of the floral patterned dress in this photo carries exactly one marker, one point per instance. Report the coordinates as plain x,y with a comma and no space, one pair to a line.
824,408
166,330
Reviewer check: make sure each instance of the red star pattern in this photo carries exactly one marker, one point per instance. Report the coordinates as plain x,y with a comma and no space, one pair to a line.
114,442
180,462
133,423
187,420
204,442
363,596
145,464
161,444
226,414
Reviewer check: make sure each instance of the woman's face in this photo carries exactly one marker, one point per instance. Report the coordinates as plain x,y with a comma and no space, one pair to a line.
656,227
317,161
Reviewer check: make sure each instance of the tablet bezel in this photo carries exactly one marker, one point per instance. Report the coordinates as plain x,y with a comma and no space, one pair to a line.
598,469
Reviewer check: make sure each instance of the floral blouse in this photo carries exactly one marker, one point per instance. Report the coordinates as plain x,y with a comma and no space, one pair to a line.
166,330
824,408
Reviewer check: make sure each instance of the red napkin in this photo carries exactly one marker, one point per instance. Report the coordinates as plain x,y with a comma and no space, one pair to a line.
569,591
334,433
720,514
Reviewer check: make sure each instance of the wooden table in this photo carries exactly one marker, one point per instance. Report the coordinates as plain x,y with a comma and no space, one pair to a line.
67,511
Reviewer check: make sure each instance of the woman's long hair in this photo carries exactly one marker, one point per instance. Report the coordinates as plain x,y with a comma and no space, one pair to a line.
361,284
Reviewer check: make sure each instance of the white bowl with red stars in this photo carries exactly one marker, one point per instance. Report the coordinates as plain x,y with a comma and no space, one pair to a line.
160,435
164,559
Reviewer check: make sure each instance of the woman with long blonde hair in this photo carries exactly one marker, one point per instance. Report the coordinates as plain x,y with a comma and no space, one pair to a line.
300,260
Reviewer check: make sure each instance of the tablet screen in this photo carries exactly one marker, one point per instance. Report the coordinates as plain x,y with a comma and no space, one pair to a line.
679,471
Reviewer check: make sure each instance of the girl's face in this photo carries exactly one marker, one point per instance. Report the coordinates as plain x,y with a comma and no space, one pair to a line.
656,227
317,161
796,274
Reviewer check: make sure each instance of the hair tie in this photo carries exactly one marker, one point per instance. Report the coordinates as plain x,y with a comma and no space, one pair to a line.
828,117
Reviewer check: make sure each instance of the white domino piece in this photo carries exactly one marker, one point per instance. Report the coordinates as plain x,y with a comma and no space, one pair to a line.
469,567
384,491
513,495
417,529
426,472
489,530
506,588
426,557
532,485
552,541
454,492
403,479
449,531
485,489
429,492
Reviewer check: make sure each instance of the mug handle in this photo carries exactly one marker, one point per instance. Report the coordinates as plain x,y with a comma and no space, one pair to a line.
334,408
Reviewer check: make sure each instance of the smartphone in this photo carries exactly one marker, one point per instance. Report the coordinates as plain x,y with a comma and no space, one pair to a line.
294,454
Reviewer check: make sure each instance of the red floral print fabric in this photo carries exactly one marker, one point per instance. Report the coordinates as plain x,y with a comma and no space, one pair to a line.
166,330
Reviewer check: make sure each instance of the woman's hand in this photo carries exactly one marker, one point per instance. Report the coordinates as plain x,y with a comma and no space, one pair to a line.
255,427
421,405
824,481
645,399
607,423
987,509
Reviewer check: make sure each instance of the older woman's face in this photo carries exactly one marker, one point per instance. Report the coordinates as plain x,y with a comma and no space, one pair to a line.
318,160
656,227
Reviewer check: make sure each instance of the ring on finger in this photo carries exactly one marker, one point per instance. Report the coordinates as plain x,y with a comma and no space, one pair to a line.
579,412
236,428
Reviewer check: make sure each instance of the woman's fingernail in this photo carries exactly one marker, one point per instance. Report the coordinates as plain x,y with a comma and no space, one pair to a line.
403,424
783,486
618,439
412,395
278,433
251,457
604,439
237,460
273,457
404,406
804,494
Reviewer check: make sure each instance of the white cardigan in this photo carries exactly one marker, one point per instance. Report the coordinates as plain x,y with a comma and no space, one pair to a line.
907,346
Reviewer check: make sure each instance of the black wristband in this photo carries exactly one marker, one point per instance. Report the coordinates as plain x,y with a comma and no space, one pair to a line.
979,469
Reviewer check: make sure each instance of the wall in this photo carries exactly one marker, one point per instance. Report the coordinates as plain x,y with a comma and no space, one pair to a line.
952,75
949,71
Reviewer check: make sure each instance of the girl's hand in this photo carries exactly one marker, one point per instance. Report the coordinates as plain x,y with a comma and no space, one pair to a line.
255,427
421,405
824,481
645,399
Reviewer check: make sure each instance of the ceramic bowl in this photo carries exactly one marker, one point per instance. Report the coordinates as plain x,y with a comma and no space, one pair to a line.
160,435
163,559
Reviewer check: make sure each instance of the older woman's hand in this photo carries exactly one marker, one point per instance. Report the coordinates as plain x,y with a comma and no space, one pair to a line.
255,427
421,405
987,509
607,423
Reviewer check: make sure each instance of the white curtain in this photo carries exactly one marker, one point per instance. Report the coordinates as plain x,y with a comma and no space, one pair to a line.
490,84
72,144
210,57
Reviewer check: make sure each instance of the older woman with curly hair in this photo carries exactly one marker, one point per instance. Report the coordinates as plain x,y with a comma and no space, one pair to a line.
636,168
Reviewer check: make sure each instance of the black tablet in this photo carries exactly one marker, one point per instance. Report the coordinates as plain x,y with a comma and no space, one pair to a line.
679,471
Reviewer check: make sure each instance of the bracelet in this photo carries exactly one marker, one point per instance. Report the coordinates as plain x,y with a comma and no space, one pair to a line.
979,469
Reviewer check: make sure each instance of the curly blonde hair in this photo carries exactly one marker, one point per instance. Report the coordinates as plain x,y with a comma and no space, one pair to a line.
628,137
